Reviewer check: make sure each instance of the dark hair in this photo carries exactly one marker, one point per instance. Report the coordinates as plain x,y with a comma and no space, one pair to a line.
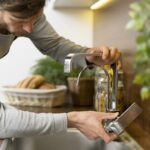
26,8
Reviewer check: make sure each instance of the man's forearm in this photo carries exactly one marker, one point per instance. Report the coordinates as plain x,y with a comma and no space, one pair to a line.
17,123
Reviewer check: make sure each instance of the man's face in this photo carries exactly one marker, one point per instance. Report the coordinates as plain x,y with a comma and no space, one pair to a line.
18,25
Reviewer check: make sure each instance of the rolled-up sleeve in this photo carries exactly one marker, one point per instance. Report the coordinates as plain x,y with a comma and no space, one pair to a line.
17,123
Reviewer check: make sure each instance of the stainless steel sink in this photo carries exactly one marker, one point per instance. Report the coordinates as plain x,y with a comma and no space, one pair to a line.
73,140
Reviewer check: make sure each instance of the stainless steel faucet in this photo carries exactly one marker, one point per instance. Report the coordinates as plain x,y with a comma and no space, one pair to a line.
112,101
118,125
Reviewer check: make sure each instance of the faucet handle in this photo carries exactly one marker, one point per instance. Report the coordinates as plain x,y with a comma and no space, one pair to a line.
68,63
120,123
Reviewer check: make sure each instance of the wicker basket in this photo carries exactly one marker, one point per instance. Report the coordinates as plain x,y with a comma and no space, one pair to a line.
34,97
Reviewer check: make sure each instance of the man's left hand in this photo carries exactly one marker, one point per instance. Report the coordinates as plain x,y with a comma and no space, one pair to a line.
107,55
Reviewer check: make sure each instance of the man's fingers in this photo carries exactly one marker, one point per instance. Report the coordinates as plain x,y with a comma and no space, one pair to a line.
112,136
110,115
107,136
118,56
105,52
103,134
113,53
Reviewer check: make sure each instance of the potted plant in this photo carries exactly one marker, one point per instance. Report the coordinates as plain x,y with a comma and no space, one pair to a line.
82,95
140,21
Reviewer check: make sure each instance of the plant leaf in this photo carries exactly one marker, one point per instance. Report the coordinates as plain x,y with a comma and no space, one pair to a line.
145,93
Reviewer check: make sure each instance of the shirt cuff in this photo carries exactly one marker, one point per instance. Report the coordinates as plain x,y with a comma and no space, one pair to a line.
60,123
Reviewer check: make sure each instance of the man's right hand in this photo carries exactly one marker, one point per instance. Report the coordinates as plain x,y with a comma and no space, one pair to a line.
90,124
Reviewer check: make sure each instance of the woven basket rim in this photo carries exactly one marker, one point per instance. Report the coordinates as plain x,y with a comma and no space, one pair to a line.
7,89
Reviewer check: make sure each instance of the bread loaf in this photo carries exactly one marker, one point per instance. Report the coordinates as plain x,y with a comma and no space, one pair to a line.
47,85
31,82
24,83
36,82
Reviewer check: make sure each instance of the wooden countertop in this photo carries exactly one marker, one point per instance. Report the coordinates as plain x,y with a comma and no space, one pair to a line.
136,132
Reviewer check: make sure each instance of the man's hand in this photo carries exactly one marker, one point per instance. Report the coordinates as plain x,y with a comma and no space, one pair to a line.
90,124
108,55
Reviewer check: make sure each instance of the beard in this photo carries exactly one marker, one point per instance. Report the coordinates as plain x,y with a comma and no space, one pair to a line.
3,29
19,33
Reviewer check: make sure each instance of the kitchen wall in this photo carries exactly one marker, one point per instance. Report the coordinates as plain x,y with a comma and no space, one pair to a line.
74,24
109,26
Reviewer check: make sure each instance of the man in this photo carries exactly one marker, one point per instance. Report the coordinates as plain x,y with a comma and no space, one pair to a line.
25,18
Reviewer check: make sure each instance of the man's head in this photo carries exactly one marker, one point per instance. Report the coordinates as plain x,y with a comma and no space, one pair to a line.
26,8
19,15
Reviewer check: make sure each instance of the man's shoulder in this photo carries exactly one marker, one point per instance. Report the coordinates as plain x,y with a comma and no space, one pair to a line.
40,20
41,27
6,41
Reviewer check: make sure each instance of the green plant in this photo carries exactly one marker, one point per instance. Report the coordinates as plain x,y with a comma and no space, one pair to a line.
140,21
53,71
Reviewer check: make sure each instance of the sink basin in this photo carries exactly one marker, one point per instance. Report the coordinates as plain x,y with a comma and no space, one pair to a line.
73,140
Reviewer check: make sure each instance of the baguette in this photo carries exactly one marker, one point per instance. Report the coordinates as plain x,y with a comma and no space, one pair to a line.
24,83
36,82
19,84
47,85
